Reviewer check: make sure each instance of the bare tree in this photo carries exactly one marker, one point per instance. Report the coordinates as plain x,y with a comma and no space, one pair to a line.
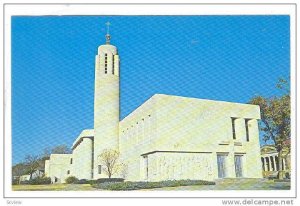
61,149
46,153
18,170
110,161
32,163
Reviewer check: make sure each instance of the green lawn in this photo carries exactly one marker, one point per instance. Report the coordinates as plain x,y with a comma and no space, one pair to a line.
226,184
54,187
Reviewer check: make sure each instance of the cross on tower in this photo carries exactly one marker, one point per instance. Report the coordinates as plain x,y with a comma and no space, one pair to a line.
107,27
107,36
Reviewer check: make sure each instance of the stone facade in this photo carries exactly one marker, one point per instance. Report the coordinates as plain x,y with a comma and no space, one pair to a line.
58,167
183,131
106,102
166,138
82,156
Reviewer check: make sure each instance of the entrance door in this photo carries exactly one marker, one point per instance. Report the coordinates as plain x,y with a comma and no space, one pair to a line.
238,165
221,159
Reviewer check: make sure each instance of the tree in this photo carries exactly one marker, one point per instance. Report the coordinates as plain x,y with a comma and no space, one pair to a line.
18,170
46,153
32,163
109,159
275,119
61,149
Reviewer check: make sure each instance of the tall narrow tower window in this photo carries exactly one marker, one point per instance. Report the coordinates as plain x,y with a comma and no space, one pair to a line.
233,127
105,69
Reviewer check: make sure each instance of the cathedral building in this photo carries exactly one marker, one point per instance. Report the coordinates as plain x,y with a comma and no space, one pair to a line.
166,138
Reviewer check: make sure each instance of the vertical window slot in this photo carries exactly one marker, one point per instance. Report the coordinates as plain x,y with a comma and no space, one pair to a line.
233,127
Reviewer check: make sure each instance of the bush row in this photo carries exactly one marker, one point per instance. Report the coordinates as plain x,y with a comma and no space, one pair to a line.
74,180
37,181
104,180
149,185
15,181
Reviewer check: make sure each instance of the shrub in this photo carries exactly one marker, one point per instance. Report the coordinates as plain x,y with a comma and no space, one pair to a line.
287,175
103,180
149,185
40,181
82,181
15,182
37,181
282,180
71,179
273,177
25,182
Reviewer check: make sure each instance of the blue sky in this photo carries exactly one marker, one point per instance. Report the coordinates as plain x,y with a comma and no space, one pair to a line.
229,58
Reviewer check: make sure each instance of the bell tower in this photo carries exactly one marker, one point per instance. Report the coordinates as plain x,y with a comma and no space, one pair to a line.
106,102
